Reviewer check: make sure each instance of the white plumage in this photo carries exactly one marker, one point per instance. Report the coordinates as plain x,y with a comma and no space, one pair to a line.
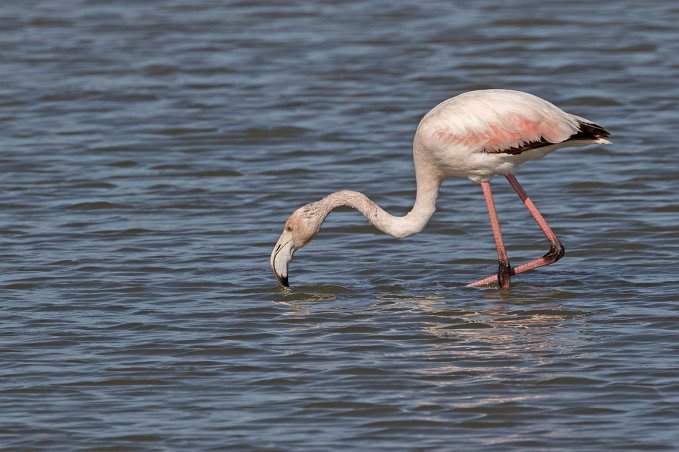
468,135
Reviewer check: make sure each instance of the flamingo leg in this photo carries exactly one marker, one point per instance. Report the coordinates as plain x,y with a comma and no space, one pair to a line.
504,271
555,252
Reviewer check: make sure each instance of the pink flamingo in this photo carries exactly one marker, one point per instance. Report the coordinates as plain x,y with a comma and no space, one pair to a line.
476,135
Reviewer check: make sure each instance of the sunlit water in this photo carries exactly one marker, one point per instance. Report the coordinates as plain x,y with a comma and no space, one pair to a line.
152,150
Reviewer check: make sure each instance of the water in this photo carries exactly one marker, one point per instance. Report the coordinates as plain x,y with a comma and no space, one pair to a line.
152,150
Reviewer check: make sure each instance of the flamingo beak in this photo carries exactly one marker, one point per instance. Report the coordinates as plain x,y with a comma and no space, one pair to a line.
281,256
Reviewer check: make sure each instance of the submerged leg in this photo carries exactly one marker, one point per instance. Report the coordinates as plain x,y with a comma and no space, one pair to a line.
504,271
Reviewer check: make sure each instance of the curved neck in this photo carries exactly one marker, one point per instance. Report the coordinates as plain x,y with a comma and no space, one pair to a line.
412,223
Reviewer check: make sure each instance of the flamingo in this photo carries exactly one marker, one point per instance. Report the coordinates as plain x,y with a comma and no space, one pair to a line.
477,134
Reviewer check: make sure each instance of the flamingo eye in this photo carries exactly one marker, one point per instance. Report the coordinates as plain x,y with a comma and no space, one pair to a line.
288,228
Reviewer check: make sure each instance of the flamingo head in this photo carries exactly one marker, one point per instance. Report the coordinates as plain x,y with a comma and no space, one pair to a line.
299,229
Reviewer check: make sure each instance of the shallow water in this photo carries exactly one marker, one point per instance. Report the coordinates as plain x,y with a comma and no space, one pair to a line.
152,150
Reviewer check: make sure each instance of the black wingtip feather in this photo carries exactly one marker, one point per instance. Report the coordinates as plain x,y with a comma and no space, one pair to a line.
587,131
590,131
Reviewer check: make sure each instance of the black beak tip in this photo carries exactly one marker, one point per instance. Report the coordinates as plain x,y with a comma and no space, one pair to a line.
282,280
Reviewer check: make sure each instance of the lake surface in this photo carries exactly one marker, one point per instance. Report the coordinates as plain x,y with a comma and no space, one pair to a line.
150,152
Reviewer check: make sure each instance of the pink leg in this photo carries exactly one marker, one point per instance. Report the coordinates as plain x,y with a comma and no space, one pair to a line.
556,251
504,271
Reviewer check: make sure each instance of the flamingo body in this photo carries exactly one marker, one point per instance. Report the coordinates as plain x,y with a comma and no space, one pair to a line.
476,135
479,134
